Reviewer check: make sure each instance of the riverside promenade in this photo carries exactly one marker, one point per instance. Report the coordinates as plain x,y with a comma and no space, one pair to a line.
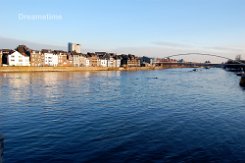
81,69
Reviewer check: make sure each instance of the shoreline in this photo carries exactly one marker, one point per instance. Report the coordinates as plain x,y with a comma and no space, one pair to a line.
81,69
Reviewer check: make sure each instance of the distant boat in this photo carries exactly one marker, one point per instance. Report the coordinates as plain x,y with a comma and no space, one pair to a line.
194,70
154,78
239,73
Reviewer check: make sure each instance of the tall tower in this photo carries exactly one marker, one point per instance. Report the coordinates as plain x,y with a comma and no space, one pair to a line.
74,47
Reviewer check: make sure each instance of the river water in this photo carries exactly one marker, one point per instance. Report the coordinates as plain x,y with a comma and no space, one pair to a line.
144,116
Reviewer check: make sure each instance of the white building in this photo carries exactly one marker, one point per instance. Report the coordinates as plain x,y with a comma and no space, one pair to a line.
87,62
110,60
51,59
17,59
74,47
118,62
104,62
76,60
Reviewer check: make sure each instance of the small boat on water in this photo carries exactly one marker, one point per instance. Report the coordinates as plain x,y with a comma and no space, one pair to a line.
239,73
206,67
195,70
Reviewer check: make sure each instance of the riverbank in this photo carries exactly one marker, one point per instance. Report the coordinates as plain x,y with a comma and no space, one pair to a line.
80,69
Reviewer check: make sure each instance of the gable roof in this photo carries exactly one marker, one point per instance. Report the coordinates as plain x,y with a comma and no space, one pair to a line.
17,53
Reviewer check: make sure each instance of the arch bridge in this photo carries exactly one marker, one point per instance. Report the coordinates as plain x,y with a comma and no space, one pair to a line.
237,64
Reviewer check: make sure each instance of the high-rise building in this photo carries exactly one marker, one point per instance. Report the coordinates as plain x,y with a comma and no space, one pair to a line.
74,47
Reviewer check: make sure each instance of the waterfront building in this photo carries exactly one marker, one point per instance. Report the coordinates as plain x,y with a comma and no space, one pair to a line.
18,59
79,59
114,60
70,59
93,59
47,57
84,60
5,54
37,58
146,61
50,59
74,47
130,60
103,61
76,60
109,59
133,61
117,60
62,58
63,61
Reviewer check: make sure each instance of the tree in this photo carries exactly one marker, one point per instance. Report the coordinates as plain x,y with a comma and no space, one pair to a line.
23,50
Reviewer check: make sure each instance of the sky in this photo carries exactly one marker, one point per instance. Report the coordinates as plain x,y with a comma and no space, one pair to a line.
155,28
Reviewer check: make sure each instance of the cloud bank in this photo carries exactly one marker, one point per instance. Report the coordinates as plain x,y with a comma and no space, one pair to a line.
9,43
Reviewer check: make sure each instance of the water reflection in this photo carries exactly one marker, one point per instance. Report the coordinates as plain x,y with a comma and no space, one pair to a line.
53,86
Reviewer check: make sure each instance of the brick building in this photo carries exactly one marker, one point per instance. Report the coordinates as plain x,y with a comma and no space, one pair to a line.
93,59
37,58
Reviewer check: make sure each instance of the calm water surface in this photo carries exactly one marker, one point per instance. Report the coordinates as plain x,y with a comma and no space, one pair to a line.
123,116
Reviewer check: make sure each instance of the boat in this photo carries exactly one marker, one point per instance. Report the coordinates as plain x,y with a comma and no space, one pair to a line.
239,73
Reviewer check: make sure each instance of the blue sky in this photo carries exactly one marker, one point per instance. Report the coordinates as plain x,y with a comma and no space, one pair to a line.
143,27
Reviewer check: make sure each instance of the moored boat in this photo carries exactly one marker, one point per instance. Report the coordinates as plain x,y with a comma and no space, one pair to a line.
239,73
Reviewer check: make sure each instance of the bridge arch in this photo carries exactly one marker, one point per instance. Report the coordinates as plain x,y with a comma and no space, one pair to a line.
203,54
